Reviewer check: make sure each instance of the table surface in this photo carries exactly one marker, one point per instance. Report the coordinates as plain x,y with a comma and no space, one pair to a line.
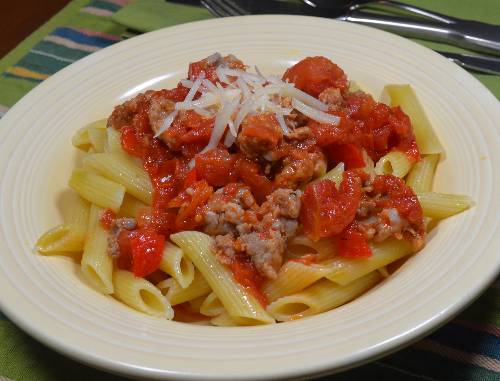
20,18
467,348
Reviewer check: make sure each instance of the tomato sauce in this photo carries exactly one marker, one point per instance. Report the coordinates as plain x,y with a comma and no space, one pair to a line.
184,180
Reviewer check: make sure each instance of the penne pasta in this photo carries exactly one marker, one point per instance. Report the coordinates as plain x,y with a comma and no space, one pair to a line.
334,174
97,137
442,205
277,233
176,294
324,247
211,305
122,170
82,139
422,174
97,265
195,304
394,163
141,295
224,320
70,236
177,265
113,142
293,277
97,189
131,207
320,297
346,270
242,306
405,97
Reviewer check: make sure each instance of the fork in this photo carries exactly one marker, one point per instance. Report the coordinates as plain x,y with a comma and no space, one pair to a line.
226,8
222,8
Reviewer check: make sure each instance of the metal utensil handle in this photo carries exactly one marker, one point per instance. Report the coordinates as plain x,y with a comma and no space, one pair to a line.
411,9
467,34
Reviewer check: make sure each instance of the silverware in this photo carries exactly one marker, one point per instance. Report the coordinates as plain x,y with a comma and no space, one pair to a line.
473,35
224,8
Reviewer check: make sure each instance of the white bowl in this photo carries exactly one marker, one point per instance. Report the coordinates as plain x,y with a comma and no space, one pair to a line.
47,297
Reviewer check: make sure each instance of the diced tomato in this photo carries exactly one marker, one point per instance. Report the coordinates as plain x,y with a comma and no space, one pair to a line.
379,128
177,94
352,243
326,210
260,133
191,204
217,166
249,172
350,154
315,74
359,105
208,68
396,194
190,179
107,218
131,142
247,275
161,220
140,251
326,134
187,129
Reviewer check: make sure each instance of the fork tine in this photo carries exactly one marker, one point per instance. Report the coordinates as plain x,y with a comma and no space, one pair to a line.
233,7
213,8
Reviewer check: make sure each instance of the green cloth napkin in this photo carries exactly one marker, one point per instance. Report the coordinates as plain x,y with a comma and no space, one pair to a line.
148,15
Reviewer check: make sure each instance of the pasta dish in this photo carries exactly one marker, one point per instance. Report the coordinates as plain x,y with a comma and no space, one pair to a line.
238,198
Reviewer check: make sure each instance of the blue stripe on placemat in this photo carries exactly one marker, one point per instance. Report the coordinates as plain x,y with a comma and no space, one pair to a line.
82,38
104,5
466,339
42,63
60,50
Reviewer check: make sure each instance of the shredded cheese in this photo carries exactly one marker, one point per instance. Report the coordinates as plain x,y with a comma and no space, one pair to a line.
238,93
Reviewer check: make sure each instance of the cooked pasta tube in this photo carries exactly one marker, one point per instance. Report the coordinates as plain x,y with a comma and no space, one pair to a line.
124,171
394,163
81,138
383,271
177,265
320,297
141,295
324,247
405,97
293,277
442,205
211,305
97,189
131,207
422,174
241,305
70,236
334,174
195,304
97,265
97,137
176,294
224,320
346,270
113,141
